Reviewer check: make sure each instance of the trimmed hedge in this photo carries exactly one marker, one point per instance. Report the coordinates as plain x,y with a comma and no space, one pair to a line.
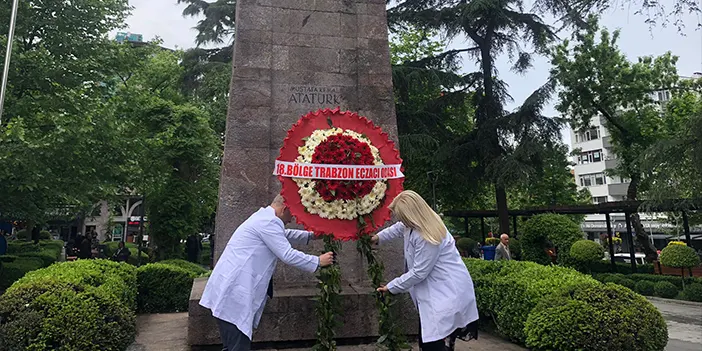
619,318
627,283
693,292
666,290
205,254
605,266
550,308
586,252
679,256
509,291
645,288
72,306
163,288
188,266
655,278
545,230
30,257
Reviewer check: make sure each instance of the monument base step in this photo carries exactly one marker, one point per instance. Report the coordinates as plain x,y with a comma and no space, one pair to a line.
289,318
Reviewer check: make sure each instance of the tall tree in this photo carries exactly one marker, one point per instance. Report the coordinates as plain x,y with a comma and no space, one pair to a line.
598,80
503,144
174,149
57,148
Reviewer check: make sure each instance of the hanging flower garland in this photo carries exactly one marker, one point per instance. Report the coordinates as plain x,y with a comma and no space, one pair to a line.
339,173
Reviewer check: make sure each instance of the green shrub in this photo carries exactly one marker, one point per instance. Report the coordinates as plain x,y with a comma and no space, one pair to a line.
679,256
596,318
44,235
515,292
628,283
13,271
515,249
540,231
23,234
645,288
666,290
188,266
693,292
466,246
586,252
163,288
609,277
50,314
605,266
119,279
657,278
16,247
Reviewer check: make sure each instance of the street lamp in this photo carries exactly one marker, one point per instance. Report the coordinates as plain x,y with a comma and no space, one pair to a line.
8,55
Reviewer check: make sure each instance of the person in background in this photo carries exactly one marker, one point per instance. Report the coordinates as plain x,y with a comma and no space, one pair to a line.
237,288
502,250
86,248
192,248
122,254
436,277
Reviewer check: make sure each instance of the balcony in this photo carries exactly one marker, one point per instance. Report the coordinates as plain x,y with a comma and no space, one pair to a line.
618,189
611,162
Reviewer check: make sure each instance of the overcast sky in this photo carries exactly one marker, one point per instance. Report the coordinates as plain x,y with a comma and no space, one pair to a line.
163,18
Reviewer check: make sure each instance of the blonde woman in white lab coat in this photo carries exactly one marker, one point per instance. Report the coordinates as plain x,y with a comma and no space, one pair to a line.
436,277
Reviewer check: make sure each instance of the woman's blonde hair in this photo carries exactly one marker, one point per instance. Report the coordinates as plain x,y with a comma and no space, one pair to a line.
414,212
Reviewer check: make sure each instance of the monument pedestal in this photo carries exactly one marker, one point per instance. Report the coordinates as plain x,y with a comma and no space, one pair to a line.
289,318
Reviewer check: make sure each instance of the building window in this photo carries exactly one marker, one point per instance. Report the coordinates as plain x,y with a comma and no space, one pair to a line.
593,179
590,157
663,96
599,199
590,134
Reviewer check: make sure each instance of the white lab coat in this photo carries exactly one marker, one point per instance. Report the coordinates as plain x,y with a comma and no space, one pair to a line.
438,282
236,289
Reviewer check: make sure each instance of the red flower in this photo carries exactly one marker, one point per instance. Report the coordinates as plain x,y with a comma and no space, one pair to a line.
343,149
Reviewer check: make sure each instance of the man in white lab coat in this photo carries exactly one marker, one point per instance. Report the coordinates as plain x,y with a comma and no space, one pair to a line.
236,290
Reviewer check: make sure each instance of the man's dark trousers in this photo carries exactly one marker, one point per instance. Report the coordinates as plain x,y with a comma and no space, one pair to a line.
232,338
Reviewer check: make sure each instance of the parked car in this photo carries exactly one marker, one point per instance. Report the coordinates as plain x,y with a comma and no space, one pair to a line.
626,258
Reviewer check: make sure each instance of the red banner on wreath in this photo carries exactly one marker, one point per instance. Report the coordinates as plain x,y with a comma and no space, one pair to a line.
339,173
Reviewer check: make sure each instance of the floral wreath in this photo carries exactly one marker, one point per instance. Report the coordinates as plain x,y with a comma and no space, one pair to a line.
339,173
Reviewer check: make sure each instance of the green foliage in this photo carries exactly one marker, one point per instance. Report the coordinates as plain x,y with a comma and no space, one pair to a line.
621,93
666,290
645,288
654,278
29,257
23,234
586,252
44,235
679,256
620,267
111,248
693,292
93,297
205,257
545,231
13,271
466,246
627,283
163,288
391,336
621,319
508,291
52,118
188,266
329,299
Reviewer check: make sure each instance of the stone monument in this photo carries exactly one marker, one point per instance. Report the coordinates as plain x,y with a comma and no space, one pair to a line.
292,57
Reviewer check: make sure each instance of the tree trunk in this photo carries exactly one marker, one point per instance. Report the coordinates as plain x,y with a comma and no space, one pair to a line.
641,235
502,208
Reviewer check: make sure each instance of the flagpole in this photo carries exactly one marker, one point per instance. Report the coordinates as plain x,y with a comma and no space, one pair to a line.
8,55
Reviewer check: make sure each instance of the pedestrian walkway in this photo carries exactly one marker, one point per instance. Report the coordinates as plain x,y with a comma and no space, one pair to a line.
684,320
160,332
